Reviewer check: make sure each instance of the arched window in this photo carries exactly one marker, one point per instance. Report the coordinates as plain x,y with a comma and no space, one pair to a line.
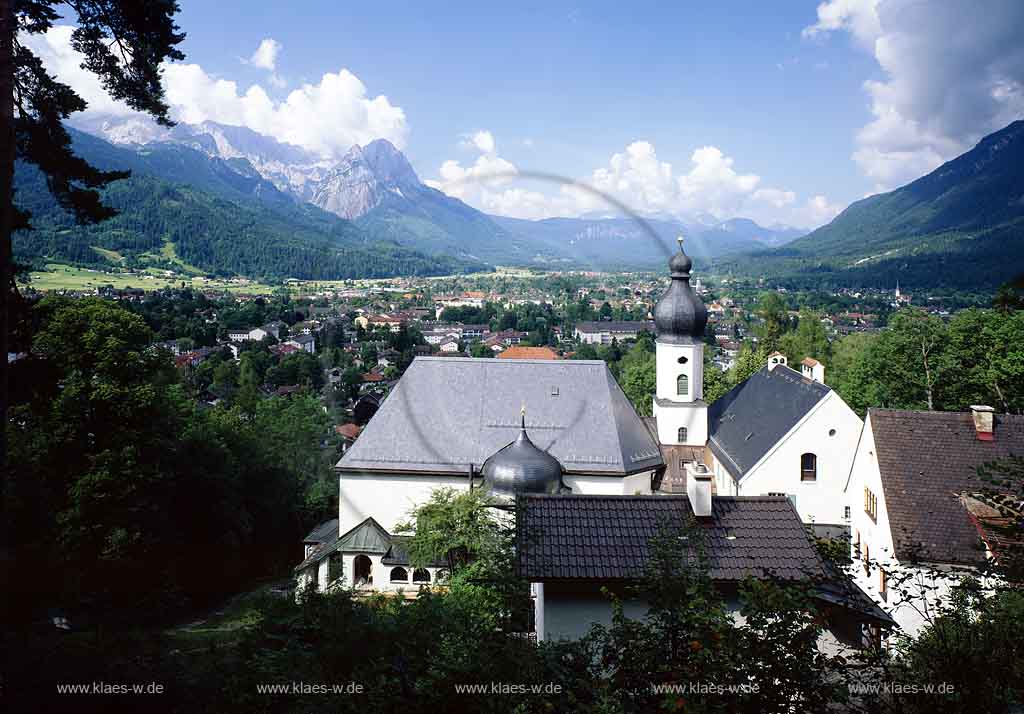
683,385
808,467
420,575
682,435
399,575
363,571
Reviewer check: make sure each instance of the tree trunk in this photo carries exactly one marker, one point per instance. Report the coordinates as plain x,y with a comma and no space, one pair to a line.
927,376
7,30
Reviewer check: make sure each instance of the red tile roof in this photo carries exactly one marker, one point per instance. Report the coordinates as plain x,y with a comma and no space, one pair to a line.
521,352
349,431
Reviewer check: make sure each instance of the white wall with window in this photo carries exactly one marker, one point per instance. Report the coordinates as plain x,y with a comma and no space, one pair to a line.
810,464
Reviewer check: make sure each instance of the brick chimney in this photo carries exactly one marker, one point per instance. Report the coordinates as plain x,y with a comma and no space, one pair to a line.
984,422
698,489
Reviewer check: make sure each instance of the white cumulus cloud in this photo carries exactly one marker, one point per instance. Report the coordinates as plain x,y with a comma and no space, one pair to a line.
327,117
481,140
265,56
641,180
953,72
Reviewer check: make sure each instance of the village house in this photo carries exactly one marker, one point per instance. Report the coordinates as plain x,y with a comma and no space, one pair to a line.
922,517
448,345
603,332
348,433
378,321
574,549
471,298
303,341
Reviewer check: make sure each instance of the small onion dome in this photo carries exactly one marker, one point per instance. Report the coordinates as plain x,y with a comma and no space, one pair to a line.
680,317
521,467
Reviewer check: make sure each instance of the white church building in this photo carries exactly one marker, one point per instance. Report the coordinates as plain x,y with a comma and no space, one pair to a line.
566,427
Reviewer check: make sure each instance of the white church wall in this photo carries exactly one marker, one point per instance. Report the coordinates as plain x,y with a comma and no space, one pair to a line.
692,416
830,431
668,370
387,498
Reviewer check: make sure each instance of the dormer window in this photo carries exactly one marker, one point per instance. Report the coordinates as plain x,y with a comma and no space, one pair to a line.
683,385
681,436
808,467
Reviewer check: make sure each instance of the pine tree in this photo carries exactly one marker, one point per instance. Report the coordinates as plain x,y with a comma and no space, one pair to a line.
123,43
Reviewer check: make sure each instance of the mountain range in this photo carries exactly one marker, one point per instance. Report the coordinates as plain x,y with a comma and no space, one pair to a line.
959,227
183,209
377,198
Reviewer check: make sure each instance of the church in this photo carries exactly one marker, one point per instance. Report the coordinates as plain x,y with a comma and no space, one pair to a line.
565,427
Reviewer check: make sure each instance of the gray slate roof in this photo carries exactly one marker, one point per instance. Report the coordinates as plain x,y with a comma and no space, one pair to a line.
749,419
926,460
366,537
578,537
447,413
328,530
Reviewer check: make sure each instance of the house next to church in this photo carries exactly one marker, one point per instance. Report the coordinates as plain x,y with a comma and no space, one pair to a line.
923,517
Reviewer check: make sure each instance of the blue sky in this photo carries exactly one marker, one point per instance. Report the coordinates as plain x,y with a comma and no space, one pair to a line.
785,111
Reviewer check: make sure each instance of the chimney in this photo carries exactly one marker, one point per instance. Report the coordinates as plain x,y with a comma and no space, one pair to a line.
984,422
812,369
698,489
775,359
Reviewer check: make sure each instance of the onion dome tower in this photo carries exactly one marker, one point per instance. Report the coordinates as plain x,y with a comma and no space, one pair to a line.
521,467
680,319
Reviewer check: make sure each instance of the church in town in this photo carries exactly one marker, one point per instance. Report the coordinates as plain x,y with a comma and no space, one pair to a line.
553,427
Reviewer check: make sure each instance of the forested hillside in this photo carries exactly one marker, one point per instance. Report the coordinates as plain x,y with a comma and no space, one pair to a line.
960,225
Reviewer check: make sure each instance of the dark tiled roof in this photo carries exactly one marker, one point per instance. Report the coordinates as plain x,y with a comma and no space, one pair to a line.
750,418
607,537
926,460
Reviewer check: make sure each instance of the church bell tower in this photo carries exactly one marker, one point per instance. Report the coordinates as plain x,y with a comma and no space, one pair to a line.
679,319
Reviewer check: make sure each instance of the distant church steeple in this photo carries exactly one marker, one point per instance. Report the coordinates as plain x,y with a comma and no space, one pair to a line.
680,319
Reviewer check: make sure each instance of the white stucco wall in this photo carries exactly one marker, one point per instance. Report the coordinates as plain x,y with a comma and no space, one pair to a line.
823,500
388,498
610,485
